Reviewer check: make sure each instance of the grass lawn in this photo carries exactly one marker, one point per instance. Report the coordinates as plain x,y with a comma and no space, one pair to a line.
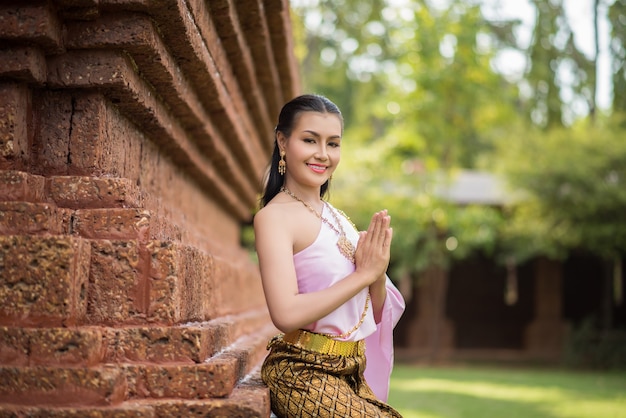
485,392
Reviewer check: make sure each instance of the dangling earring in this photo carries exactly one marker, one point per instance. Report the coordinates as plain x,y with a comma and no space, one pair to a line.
281,164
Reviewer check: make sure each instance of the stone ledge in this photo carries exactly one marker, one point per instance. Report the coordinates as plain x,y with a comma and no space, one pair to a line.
62,386
32,24
33,218
21,186
25,64
81,192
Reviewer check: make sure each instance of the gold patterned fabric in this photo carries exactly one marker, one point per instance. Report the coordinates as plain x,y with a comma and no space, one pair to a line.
306,383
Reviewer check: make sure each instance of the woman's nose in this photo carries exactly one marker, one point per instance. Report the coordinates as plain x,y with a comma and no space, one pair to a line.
321,153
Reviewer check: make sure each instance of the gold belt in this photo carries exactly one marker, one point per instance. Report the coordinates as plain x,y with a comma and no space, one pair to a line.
324,344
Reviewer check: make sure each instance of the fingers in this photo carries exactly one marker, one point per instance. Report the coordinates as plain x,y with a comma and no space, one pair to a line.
378,230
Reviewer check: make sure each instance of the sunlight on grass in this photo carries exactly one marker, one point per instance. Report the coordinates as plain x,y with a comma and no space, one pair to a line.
485,392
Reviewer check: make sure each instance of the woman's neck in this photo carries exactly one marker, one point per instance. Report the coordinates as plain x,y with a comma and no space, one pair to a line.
310,195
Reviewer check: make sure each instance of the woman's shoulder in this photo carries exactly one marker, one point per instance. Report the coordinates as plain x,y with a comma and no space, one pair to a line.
273,212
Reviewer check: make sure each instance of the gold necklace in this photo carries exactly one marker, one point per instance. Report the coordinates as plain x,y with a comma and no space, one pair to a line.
345,248
343,243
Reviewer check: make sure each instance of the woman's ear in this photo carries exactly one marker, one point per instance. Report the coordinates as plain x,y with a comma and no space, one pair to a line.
281,140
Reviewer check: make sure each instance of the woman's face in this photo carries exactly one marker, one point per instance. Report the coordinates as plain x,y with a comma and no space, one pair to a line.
313,150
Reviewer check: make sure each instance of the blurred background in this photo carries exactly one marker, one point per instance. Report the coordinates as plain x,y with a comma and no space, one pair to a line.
494,132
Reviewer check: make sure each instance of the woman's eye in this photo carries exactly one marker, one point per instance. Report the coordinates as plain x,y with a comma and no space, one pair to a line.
334,144
309,140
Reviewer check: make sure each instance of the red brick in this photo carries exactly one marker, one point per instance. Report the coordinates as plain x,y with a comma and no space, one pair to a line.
238,285
43,279
213,379
21,186
92,192
244,402
192,272
126,410
53,112
15,120
81,133
14,346
181,282
111,223
66,346
62,386
71,137
250,350
33,218
181,344
115,288
31,23
23,64
50,346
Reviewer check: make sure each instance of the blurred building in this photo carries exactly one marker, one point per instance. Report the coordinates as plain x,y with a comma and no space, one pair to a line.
481,310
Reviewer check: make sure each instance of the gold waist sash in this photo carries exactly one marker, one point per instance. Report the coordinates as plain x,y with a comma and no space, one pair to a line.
324,344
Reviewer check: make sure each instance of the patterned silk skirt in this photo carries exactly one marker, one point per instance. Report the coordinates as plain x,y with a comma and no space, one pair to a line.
308,383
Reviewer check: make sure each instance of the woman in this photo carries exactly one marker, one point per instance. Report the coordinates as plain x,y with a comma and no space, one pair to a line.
325,283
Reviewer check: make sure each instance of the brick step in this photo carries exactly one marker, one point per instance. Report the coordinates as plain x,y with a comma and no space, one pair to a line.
245,401
21,186
126,410
112,384
248,401
88,346
62,386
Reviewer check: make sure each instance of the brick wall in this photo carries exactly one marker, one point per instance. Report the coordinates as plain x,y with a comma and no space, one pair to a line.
133,139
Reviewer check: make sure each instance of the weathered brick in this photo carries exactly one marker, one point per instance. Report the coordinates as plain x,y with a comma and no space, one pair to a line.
250,350
33,218
126,410
181,344
23,64
15,120
116,292
237,285
43,279
62,386
53,112
114,72
14,346
213,379
32,23
50,346
251,401
21,186
181,282
66,346
93,192
112,223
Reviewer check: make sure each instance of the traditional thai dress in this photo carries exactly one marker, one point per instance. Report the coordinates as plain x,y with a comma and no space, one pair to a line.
310,375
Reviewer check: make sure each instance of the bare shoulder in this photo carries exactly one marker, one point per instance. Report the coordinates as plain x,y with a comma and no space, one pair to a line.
270,214
276,216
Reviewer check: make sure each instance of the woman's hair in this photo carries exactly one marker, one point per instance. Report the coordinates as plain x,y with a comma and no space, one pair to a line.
286,121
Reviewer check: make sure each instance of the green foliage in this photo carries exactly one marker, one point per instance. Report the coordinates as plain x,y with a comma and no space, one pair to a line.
574,180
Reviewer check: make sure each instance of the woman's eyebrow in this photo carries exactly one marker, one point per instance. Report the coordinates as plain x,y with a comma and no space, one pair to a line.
319,136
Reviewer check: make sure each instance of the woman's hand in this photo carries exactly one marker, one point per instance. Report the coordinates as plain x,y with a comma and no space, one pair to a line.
373,249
